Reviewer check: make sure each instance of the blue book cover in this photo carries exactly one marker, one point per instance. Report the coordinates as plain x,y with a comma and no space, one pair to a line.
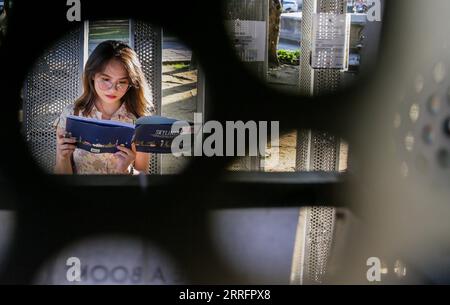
151,134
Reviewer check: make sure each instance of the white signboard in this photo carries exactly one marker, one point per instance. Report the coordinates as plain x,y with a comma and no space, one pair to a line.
330,41
249,39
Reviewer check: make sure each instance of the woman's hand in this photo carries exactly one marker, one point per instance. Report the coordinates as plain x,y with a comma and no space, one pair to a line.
64,146
64,150
125,157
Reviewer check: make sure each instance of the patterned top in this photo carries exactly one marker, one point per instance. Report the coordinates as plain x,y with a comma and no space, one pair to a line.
85,162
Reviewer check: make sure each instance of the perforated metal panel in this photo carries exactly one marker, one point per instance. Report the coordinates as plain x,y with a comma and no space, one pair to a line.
305,75
314,240
303,150
316,151
324,152
54,82
246,9
148,45
319,239
421,124
318,81
332,6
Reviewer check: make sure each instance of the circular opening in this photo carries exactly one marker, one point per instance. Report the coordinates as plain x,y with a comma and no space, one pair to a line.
295,49
57,81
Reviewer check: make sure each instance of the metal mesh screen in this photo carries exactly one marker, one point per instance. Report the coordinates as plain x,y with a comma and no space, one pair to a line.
316,151
54,83
333,6
306,73
326,81
319,81
303,150
319,239
324,152
246,9
148,45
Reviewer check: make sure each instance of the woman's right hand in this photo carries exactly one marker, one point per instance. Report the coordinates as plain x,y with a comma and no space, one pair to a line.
64,146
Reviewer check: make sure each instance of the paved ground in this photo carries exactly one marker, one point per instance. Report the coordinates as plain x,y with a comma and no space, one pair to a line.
179,96
284,77
179,101
175,51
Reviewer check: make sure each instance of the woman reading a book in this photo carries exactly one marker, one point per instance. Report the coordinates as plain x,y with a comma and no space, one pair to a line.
114,89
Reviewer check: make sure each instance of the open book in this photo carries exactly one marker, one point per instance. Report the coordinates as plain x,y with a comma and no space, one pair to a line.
150,134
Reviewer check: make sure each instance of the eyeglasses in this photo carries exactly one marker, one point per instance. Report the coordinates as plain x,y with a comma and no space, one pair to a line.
106,84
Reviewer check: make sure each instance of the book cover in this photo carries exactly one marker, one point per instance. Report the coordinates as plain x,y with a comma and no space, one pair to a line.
151,134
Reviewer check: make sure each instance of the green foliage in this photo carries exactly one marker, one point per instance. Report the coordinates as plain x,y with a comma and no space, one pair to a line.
289,57
179,66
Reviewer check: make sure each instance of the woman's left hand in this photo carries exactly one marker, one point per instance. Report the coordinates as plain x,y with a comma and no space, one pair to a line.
125,157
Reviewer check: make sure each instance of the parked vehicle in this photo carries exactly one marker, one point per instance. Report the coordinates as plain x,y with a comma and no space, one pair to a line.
360,8
289,6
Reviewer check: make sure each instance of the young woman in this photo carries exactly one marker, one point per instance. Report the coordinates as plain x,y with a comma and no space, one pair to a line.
114,89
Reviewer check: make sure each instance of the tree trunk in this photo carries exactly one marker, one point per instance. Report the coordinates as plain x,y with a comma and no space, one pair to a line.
274,30
3,21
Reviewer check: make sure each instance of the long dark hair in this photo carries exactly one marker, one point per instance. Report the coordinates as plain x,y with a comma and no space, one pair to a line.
137,99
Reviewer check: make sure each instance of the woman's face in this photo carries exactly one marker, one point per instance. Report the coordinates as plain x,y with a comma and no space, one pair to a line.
111,84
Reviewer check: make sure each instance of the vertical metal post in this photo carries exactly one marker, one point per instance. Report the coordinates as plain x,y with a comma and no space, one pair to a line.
316,151
317,81
147,41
